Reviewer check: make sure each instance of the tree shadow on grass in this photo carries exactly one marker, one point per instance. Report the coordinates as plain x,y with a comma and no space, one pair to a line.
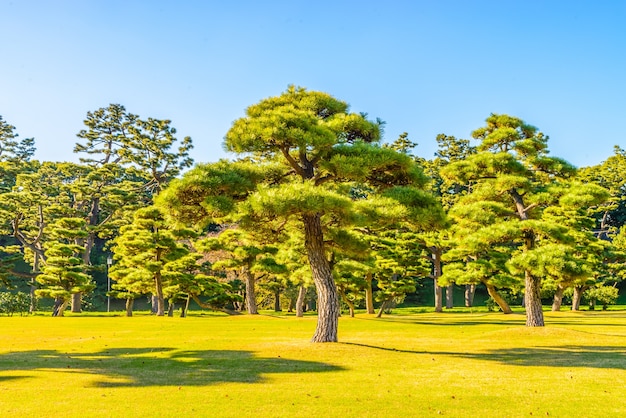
600,357
123,367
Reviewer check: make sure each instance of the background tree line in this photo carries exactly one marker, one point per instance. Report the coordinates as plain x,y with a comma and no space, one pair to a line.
314,212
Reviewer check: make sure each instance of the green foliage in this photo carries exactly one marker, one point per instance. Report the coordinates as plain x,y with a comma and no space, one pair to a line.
11,303
604,295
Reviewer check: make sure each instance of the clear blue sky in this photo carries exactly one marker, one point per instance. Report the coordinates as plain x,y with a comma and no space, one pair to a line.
425,67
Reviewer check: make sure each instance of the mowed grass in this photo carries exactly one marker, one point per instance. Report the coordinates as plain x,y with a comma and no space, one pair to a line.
404,365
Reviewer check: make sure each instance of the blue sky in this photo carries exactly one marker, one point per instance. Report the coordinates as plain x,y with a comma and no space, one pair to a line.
424,67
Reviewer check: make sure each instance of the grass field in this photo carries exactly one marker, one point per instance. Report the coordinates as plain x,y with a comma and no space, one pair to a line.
404,365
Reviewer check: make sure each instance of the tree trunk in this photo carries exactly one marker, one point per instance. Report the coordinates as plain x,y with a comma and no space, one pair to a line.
300,302
185,308
436,259
450,296
558,298
33,298
249,279
158,284
592,304
328,300
506,309
277,307
534,312
381,309
129,306
170,309
577,298
60,304
154,304
348,302
470,290
76,302
369,294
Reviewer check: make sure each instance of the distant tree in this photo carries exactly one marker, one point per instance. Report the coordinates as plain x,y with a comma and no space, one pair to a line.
242,253
511,177
64,271
142,252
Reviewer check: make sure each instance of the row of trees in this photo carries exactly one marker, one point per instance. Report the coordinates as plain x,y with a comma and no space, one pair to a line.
314,198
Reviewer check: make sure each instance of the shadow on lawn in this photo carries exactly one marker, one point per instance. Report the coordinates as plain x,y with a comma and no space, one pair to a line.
121,367
601,357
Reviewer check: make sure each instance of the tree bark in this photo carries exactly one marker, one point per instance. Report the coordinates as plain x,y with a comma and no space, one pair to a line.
300,301
60,304
470,290
328,300
558,298
506,309
534,312
251,304
577,298
277,307
450,296
382,308
185,307
348,302
129,306
436,260
158,284
170,309
369,294
76,302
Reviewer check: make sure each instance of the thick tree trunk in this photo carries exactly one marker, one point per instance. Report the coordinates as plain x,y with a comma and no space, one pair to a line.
129,306
558,298
450,296
300,302
534,312
76,302
328,300
470,291
249,279
369,294
170,309
577,298
436,260
506,309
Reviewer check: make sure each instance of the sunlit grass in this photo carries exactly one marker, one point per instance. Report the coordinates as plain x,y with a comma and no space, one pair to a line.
407,364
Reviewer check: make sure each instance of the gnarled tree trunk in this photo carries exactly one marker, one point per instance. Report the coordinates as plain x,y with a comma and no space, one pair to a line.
498,299
534,312
328,300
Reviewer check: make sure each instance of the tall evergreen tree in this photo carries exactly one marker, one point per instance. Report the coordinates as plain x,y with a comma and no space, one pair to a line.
319,151
512,175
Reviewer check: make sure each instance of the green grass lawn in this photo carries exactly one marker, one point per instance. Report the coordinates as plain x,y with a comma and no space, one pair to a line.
404,365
